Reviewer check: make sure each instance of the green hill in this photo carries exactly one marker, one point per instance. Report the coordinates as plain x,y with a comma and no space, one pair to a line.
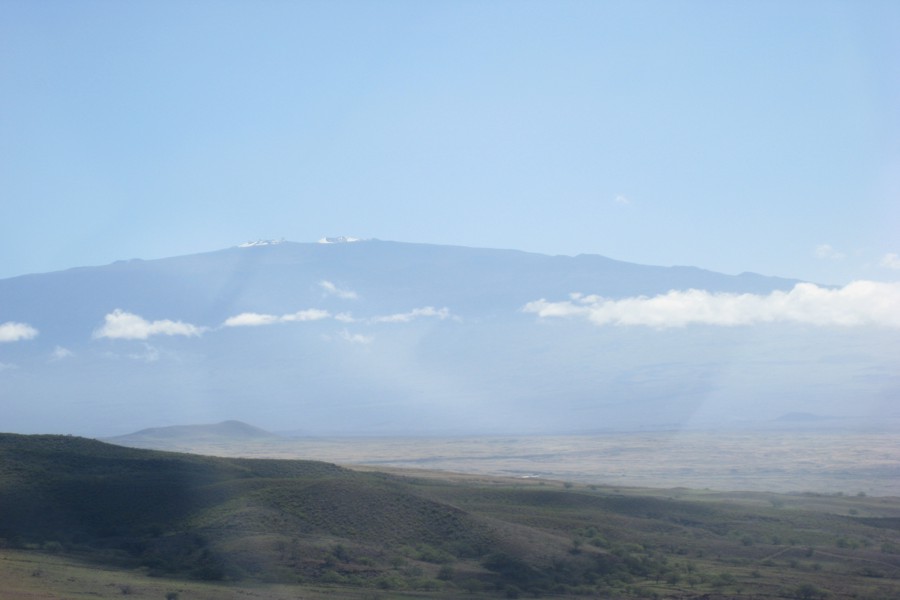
181,515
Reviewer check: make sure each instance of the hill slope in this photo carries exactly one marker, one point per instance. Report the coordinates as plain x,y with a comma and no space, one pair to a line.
231,519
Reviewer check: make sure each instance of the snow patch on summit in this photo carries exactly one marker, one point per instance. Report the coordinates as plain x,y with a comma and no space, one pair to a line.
261,243
342,239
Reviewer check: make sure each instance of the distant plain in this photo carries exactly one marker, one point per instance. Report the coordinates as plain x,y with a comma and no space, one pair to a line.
777,461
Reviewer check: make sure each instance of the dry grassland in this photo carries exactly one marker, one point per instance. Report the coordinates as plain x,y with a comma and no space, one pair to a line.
785,462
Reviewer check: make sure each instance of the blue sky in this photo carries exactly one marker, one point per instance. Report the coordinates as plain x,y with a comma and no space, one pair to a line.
735,136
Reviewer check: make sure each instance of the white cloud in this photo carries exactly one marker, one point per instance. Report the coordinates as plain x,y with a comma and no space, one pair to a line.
858,303
256,319
14,332
890,261
333,290
7,367
826,252
428,311
250,320
312,314
356,338
622,199
315,314
60,353
128,326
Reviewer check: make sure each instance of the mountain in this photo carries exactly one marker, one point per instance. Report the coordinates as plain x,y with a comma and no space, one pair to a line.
226,432
375,337
390,277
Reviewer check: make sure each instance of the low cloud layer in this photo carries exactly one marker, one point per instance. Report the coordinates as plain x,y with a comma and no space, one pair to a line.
257,319
121,325
15,332
314,314
858,303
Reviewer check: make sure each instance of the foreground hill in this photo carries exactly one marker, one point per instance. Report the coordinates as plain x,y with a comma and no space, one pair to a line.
243,520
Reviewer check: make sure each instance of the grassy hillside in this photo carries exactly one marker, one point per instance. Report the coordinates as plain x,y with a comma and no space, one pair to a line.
303,523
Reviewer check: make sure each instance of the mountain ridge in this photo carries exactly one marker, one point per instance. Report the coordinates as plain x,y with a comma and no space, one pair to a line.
212,286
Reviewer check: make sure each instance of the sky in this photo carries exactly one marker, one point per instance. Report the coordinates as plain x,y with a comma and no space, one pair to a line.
734,136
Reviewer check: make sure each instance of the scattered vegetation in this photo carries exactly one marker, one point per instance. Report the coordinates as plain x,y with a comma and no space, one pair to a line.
315,526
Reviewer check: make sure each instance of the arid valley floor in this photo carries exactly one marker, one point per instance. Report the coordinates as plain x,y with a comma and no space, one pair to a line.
776,461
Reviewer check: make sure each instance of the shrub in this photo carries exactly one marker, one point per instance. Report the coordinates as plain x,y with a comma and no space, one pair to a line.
807,591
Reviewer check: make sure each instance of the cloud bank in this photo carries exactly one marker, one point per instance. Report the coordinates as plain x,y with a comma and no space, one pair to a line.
121,325
256,319
858,303
14,332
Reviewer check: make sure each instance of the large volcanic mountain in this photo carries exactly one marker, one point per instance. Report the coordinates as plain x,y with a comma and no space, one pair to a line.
382,337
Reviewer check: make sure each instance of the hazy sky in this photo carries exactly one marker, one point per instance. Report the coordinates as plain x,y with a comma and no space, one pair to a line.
735,136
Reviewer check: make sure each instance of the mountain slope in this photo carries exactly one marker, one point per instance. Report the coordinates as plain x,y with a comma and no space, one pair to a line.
392,277
391,338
